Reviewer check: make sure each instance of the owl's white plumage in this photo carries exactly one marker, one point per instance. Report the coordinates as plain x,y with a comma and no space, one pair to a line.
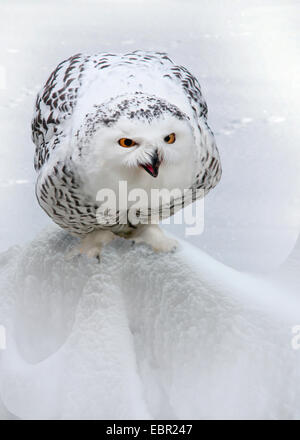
88,104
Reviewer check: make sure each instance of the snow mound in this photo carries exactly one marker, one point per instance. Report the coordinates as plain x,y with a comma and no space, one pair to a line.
141,335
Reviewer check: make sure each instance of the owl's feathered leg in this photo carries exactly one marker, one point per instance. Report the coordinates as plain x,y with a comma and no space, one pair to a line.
92,244
153,235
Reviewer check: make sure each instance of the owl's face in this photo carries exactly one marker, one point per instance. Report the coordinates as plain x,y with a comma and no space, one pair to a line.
145,147
140,139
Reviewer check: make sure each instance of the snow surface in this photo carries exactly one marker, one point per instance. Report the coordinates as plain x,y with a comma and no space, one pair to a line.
142,335
159,336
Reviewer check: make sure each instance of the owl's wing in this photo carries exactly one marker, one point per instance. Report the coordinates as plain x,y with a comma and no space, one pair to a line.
56,102
208,166
192,90
54,106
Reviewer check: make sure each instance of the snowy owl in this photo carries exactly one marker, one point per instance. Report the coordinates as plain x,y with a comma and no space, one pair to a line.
108,118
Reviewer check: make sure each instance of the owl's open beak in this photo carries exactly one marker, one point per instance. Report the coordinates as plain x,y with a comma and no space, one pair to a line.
152,166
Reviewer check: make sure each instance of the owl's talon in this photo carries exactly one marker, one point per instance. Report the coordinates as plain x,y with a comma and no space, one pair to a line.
154,237
166,245
93,243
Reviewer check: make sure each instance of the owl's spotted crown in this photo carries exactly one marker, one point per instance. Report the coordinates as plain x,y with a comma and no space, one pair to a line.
137,106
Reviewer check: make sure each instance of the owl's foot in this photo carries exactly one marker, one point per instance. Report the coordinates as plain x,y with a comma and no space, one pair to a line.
92,244
154,236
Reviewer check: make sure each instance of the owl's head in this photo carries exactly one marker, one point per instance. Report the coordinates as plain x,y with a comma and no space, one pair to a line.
138,133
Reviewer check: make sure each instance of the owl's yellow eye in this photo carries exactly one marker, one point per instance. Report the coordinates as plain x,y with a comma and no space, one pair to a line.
170,139
126,143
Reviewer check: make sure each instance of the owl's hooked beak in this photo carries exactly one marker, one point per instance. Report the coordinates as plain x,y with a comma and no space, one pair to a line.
152,166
